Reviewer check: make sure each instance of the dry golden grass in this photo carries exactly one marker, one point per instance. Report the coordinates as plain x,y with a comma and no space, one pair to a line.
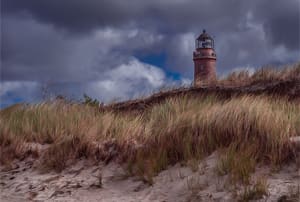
254,192
264,75
266,81
239,166
179,129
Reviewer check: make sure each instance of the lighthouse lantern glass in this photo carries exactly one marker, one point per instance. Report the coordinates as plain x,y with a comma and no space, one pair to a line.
205,43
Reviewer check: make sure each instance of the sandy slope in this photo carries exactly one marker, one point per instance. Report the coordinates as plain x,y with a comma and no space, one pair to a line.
86,182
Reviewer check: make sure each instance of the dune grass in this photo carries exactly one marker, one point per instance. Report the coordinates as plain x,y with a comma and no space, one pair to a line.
257,191
263,75
246,130
183,128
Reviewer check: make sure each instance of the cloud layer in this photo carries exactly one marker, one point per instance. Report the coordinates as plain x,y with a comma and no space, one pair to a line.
99,47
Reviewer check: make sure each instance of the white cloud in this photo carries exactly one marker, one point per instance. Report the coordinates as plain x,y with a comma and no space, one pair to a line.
24,87
135,70
248,68
279,52
19,91
126,81
185,82
180,51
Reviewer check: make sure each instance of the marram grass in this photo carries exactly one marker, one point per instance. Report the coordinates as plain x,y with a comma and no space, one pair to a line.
177,130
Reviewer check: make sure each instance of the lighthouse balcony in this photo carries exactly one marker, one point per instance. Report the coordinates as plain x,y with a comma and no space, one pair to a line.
199,55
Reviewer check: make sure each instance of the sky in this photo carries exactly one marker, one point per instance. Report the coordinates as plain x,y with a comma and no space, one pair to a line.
115,50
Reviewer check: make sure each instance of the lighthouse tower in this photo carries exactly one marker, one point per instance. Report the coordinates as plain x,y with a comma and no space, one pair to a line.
205,60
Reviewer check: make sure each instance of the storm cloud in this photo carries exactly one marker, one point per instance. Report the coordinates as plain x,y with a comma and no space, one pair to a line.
77,45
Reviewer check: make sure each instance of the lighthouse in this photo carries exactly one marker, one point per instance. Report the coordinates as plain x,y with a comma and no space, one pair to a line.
204,58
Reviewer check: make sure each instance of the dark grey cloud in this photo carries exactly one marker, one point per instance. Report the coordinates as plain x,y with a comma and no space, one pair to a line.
73,44
280,17
281,21
34,51
171,18
168,15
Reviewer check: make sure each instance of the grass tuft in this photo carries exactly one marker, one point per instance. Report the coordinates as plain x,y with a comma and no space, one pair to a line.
254,192
239,166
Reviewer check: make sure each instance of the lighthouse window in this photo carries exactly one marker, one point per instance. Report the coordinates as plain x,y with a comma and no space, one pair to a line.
207,43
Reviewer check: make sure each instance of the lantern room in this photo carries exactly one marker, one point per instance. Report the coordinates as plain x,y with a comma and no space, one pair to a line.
204,41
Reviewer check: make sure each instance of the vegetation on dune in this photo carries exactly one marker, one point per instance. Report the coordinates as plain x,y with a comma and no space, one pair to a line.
179,129
246,129
283,82
254,192
264,75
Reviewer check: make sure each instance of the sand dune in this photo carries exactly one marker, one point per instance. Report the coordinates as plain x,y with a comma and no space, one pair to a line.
85,181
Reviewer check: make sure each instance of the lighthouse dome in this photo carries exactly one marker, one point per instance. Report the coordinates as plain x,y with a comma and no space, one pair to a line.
204,41
203,36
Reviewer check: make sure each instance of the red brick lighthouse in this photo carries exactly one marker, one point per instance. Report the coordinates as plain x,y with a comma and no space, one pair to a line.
205,60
